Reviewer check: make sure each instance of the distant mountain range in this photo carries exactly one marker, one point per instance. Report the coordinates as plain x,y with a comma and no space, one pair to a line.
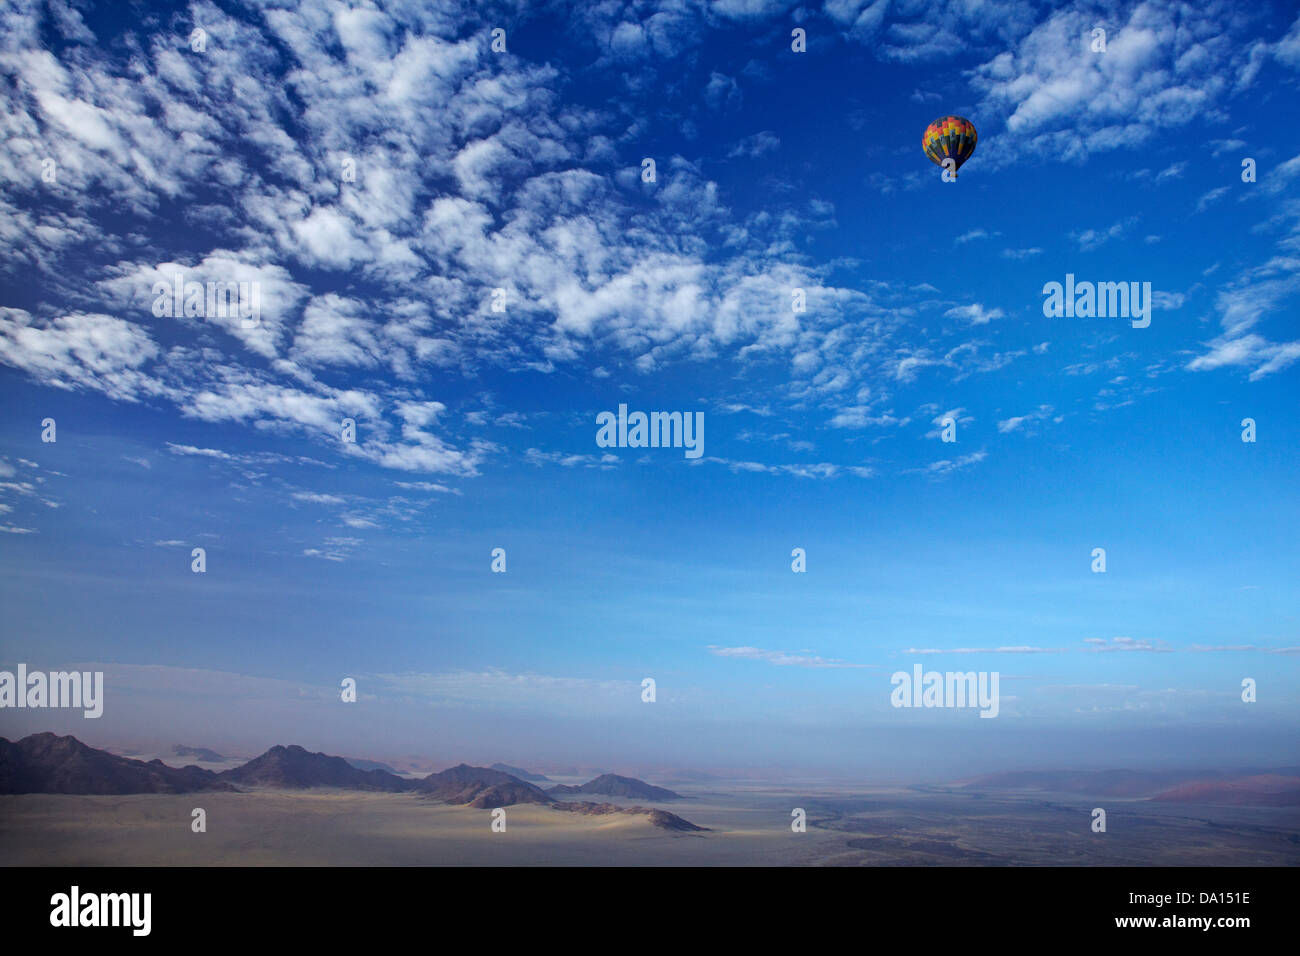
361,764
198,753
46,763
1262,790
1104,783
612,785
521,773
1275,789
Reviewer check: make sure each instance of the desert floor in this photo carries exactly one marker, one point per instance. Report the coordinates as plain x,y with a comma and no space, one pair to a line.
749,825
335,828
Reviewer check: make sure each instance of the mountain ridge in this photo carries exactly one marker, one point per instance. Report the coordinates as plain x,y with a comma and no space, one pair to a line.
296,768
525,775
615,785
480,787
48,763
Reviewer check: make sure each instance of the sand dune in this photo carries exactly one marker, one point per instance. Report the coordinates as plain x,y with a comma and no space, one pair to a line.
341,828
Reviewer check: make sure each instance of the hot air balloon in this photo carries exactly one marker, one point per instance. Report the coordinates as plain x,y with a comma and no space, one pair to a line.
949,137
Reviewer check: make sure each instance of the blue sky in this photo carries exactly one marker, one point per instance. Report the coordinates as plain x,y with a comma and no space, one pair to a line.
775,170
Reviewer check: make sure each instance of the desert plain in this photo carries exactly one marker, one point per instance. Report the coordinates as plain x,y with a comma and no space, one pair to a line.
748,824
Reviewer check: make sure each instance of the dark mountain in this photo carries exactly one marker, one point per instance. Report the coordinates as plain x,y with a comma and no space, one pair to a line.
293,768
370,765
198,753
46,763
669,821
577,771
1264,790
612,785
521,773
660,818
480,787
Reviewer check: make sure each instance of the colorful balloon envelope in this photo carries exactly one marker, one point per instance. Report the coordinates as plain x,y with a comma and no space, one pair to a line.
949,137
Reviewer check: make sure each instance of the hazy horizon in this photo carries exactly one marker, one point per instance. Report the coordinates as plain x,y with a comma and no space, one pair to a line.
912,755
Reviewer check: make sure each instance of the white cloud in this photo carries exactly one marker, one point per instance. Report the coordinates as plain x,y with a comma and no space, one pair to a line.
780,658
80,351
1211,196
1098,644
758,144
1172,172
1164,65
535,456
958,416
975,314
946,466
860,416
797,470
426,486
319,498
983,650
201,452
1019,422
1259,294
1279,177
1092,238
